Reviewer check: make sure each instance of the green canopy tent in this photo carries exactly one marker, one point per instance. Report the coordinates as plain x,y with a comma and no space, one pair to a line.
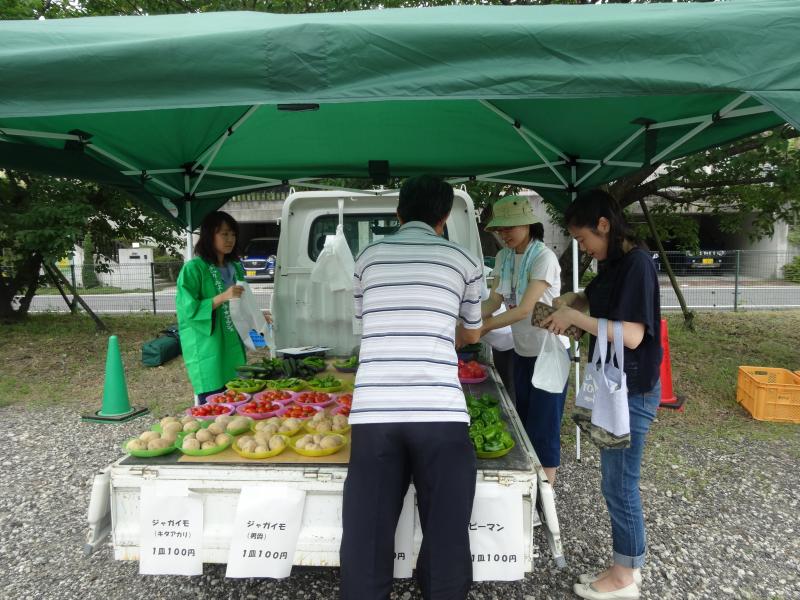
185,111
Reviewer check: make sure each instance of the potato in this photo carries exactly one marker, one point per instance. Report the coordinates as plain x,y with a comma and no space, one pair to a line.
244,440
208,445
249,446
136,445
221,439
324,426
276,442
204,436
167,420
292,424
312,446
331,441
259,450
158,444
340,422
215,429
318,417
187,419
223,420
172,427
169,437
190,444
191,426
318,438
149,435
190,436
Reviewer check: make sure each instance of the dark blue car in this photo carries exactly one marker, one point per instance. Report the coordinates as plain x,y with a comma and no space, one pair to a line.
258,259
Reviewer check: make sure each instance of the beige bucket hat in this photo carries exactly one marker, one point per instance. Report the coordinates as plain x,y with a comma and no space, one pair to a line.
510,211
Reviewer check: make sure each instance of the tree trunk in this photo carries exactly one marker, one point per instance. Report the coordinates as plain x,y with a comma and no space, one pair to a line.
26,278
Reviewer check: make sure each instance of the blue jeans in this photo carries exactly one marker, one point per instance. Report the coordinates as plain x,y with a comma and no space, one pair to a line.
620,469
540,412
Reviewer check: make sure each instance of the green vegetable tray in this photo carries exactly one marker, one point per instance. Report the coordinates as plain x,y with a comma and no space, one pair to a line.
248,390
275,385
326,390
146,453
497,453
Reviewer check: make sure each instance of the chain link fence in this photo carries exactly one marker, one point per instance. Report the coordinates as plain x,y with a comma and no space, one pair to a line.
718,280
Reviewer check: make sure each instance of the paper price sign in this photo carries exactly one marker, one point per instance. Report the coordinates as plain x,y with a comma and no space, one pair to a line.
496,535
404,539
265,532
171,526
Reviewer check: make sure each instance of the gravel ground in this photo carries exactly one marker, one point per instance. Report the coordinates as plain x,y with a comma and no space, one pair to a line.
722,522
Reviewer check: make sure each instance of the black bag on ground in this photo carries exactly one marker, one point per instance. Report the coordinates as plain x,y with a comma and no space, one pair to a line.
162,349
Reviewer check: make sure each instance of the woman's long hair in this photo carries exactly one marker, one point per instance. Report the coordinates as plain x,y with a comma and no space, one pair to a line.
210,225
586,211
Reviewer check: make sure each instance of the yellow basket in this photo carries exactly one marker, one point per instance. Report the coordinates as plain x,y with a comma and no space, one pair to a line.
769,394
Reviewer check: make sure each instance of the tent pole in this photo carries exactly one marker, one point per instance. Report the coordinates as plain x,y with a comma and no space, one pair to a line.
576,344
189,228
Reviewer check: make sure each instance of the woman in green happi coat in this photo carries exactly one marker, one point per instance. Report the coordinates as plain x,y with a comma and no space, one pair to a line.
210,344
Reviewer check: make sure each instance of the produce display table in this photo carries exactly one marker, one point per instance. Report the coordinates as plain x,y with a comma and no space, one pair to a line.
517,459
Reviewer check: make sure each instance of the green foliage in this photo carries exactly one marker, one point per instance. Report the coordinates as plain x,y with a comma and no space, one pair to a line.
792,270
88,274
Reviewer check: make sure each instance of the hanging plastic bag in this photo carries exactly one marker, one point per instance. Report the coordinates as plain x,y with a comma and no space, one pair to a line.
248,319
552,366
601,405
335,264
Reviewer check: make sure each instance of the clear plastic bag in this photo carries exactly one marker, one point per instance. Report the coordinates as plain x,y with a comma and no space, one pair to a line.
552,366
248,319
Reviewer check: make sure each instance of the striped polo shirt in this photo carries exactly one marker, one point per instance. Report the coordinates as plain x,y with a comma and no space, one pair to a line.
410,291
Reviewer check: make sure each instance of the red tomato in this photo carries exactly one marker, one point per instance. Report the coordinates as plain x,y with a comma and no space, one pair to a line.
273,395
345,400
312,398
299,412
260,406
207,410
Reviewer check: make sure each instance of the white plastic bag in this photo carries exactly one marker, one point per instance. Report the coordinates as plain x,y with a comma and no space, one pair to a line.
335,264
552,366
248,319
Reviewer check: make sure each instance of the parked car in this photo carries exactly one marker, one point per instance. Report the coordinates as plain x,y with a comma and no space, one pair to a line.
698,261
258,259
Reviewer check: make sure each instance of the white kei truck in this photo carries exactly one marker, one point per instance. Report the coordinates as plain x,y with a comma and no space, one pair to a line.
305,314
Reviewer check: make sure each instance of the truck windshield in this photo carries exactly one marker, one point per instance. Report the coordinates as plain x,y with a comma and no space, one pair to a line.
359,230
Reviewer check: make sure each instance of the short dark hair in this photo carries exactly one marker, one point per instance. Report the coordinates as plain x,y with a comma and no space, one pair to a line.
586,211
536,231
425,198
204,247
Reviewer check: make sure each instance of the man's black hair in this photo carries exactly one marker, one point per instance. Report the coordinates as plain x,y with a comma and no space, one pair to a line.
425,198
210,225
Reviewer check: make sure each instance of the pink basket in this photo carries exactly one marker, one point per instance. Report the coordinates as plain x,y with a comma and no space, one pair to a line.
231,408
258,416
292,395
210,400
477,379
331,400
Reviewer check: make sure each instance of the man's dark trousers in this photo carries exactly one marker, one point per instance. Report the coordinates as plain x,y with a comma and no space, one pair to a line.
385,457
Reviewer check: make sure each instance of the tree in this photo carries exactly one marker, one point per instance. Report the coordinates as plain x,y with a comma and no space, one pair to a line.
43,219
88,274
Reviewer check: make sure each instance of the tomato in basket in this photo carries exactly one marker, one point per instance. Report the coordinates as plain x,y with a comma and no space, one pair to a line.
228,396
274,395
312,398
470,370
345,400
297,411
209,410
260,406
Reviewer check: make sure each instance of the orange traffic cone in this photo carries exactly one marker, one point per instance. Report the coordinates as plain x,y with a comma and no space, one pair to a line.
668,397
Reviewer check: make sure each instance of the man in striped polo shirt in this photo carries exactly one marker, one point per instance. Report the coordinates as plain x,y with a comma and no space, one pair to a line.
409,418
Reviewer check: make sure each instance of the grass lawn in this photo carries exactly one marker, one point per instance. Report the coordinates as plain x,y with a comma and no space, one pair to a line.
61,359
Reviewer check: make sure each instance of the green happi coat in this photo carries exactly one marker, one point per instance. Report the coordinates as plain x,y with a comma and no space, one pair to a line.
211,347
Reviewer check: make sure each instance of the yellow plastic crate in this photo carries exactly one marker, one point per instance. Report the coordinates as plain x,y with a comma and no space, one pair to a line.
769,394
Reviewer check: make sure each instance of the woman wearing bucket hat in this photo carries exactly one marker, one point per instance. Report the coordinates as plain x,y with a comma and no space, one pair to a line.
526,272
